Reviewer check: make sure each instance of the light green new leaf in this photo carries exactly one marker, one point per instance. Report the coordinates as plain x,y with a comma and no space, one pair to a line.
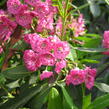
86,101
92,50
107,1
102,87
54,101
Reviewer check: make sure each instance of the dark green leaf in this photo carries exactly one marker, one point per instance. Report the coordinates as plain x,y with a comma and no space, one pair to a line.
16,72
23,98
38,100
100,103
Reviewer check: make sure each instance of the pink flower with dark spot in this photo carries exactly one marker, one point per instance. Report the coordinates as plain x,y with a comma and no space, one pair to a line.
42,45
46,74
24,19
31,60
47,59
61,50
75,77
13,6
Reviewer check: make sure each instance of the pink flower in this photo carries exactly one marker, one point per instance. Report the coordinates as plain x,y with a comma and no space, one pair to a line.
47,59
59,66
1,50
31,60
31,38
90,77
53,40
6,28
106,42
45,23
75,77
13,6
2,13
42,9
61,50
78,26
24,19
78,76
42,45
59,27
46,74
32,2
106,39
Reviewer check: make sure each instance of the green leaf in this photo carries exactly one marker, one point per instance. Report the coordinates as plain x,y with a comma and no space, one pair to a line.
20,45
54,101
68,98
72,55
107,1
2,79
94,8
38,100
86,101
23,98
102,87
89,61
14,84
16,72
92,50
100,103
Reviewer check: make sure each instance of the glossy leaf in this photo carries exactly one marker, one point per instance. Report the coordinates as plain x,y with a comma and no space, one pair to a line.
68,98
102,87
55,101
86,101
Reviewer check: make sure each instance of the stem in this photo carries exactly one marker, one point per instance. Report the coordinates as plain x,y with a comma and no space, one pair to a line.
83,90
64,19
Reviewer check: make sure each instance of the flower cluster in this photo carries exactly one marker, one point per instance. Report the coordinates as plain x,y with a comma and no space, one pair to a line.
24,13
78,76
49,51
7,26
106,42
78,26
